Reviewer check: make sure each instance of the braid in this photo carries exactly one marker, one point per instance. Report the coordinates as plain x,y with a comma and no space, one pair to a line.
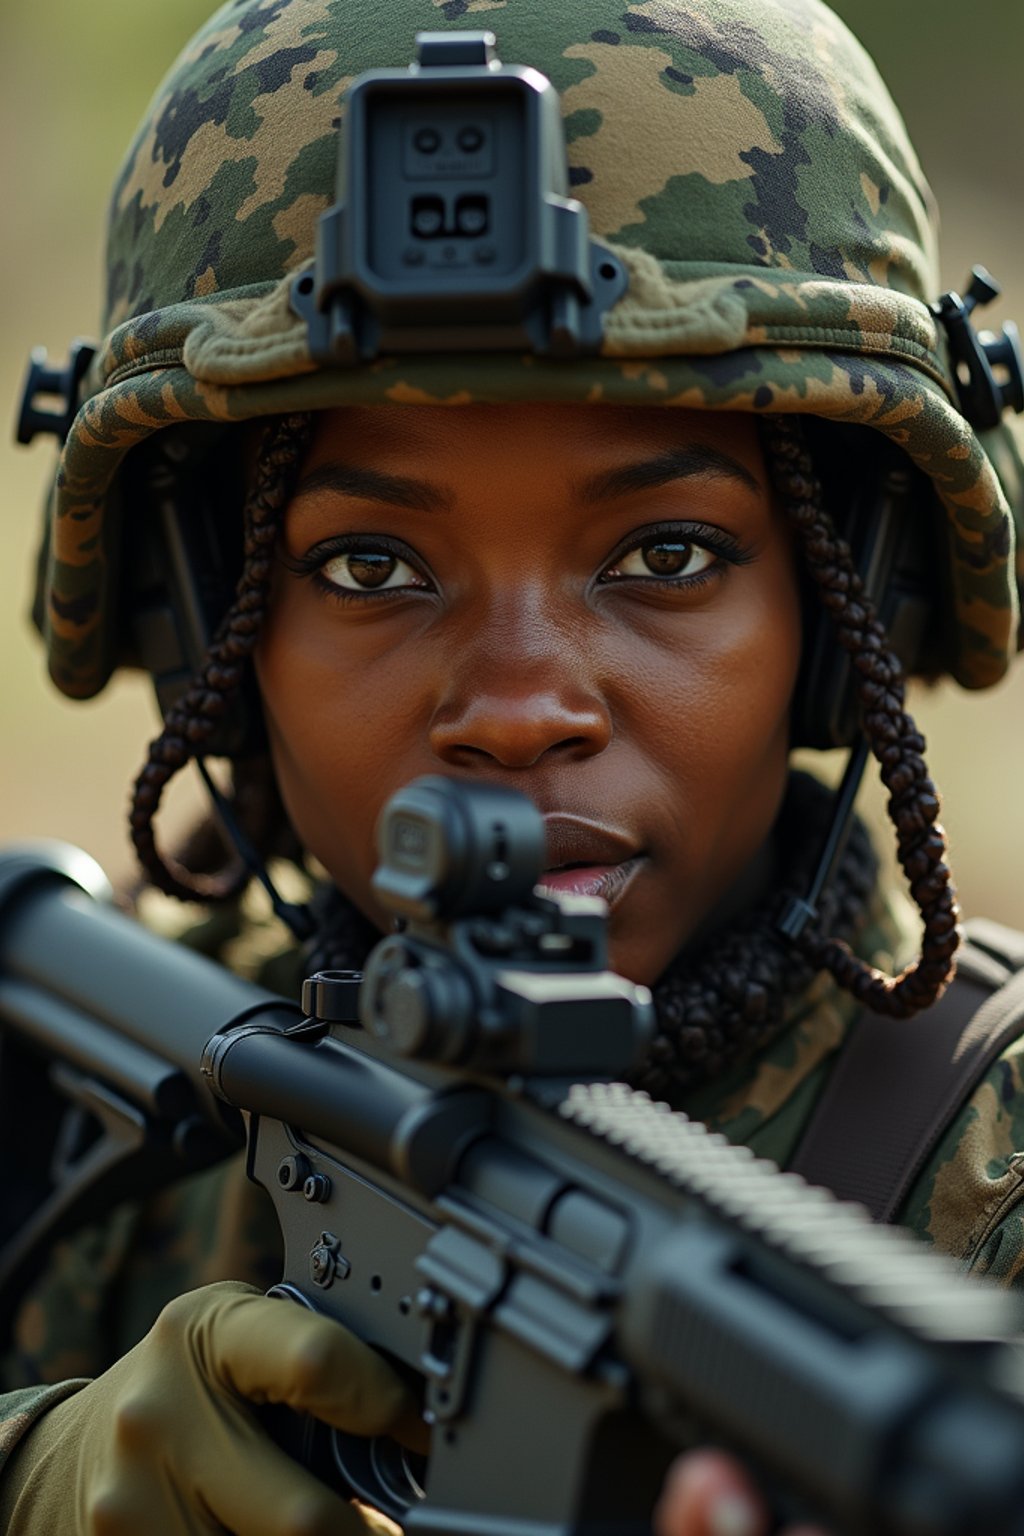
893,739
191,722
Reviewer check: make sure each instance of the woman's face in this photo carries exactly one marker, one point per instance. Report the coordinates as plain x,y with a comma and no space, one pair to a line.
596,606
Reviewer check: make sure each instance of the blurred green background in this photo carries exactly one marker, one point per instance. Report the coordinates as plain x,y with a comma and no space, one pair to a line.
74,80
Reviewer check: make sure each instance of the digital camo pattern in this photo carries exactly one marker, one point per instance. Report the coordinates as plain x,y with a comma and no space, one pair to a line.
741,155
970,1200
104,1288
766,138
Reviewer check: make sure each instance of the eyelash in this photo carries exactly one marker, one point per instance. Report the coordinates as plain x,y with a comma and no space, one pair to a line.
312,563
706,536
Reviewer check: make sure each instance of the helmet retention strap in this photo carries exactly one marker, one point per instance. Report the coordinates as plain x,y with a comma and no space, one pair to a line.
297,918
801,910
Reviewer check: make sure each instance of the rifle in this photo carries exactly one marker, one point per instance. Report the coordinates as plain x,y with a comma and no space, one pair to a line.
582,1281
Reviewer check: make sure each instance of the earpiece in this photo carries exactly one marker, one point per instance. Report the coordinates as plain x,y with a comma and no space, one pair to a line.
880,505
182,559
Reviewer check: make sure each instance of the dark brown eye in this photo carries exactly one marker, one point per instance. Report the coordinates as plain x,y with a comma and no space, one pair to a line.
371,570
665,557
368,570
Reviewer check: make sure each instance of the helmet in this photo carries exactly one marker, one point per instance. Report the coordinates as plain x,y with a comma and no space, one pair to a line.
753,203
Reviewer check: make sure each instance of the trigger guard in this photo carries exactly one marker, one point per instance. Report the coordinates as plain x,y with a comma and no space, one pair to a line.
380,1472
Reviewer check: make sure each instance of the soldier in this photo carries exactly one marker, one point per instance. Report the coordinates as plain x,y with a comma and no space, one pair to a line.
613,577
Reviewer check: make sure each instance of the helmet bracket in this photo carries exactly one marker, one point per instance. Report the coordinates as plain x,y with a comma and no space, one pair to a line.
979,358
63,384
452,228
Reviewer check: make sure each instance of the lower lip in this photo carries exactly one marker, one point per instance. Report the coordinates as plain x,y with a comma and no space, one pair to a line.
608,881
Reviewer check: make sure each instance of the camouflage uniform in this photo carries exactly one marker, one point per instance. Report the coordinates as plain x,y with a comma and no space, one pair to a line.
779,240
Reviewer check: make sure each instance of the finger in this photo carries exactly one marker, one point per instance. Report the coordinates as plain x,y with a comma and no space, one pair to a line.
253,1488
229,1476
410,1429
268,1351
707,1493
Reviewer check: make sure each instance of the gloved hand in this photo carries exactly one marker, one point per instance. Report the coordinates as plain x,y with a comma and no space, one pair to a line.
166,1442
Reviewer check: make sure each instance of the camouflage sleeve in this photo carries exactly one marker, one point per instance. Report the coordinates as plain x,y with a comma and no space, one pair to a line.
20,1410
104,1287
969,1198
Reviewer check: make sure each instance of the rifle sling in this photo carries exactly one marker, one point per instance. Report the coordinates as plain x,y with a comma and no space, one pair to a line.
898,1083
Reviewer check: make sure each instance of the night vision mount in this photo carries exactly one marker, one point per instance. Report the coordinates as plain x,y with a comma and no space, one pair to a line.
453,229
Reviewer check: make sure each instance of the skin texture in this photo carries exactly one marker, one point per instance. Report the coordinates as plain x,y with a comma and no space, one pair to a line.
525,640
530,643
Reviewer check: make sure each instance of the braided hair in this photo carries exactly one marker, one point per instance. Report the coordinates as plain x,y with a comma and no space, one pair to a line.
733,1000
193,719
893,738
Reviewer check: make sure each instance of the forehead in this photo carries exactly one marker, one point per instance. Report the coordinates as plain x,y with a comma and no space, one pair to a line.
566,437
550,468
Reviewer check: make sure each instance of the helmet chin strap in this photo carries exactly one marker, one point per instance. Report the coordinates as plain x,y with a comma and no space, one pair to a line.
295,917
801,910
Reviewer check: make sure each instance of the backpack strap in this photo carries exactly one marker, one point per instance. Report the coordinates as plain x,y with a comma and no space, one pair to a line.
898,1083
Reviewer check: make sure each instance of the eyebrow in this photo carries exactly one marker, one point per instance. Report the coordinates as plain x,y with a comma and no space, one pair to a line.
374,485
421,496
675,464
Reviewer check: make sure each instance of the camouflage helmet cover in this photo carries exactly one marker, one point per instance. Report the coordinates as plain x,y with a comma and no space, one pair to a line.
741,156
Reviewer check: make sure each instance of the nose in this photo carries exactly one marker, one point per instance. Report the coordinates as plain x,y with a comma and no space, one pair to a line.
520,689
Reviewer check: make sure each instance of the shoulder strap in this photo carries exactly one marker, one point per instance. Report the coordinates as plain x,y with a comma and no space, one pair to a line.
899,1082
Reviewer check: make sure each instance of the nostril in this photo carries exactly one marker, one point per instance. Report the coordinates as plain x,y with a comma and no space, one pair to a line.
521,752
514,727
461,752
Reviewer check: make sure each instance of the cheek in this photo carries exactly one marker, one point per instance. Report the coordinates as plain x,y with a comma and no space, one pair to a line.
718,689
338,726
697,761
711,718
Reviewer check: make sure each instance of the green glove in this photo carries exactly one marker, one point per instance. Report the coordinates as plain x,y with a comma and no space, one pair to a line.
166,1442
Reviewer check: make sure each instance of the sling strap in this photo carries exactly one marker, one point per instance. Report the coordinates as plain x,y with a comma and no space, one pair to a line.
898,1083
